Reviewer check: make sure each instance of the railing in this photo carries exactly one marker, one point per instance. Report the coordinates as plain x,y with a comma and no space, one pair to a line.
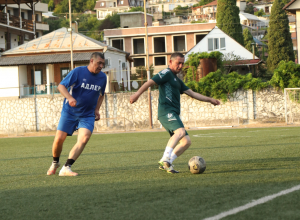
38,90
14,21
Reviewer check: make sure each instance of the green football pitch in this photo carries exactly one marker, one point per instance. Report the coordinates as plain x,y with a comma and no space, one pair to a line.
250,174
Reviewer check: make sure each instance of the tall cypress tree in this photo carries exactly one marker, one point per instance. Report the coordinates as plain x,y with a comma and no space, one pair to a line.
228,19
248,40
280,42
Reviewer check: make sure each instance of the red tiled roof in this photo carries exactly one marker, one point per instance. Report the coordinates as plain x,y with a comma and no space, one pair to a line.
246,62
211,4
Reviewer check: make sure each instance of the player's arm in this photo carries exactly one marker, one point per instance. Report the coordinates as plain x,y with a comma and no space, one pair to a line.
144,87
200,97
99,103
64,91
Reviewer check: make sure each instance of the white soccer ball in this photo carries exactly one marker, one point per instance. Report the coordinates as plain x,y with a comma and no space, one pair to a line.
197,165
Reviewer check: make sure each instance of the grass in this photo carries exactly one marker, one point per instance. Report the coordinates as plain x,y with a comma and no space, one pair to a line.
119,177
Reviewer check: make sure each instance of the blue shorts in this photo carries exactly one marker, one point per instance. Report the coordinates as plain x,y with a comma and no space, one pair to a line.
70,123
171,122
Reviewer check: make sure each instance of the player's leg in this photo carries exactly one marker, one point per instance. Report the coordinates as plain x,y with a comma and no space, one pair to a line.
56,151
85,129
183,145
173,124
66,126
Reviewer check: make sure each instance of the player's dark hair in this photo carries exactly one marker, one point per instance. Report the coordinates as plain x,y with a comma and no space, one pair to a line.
175,55
97,54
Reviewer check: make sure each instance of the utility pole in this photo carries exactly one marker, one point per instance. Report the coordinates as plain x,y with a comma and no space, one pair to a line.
70,30
147,67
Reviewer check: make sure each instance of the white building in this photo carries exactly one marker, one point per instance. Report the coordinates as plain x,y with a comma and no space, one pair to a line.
107,7
217,40
37,67
19,23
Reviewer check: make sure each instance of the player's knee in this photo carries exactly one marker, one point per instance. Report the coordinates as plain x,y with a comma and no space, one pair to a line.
180,132
59,140
186,141
85,139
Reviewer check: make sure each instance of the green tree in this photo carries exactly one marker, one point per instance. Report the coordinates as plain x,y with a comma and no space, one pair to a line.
133,9
259,13
280,46
249,9
179,10
62,7
51,5
90,4
228,19
203,2
287,75
248,41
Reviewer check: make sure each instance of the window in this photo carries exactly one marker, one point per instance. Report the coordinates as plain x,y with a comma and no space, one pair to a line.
22,15
159,45
121,2
138,62
37,78
138,46
102,4
199,37
179,43
216,44
222,44
160,61
210,44
118,43
267,9
64,72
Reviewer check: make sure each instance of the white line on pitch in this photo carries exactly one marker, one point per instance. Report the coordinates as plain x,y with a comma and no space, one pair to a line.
254,203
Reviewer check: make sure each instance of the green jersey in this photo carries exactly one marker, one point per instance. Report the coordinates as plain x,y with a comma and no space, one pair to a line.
170,88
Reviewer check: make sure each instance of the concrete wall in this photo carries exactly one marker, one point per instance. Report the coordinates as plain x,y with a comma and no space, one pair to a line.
43,112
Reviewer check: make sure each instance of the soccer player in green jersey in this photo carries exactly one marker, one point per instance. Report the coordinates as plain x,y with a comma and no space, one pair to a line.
170,88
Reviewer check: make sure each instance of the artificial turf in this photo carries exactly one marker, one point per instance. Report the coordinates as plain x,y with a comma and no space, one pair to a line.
119,177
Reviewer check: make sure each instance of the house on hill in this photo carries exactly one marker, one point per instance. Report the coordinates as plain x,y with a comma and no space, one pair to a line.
37,67
239,58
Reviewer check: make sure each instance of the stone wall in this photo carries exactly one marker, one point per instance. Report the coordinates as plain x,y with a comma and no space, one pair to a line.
43,112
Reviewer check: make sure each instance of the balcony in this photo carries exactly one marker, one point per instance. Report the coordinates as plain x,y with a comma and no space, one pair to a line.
15,21
39,7
42,26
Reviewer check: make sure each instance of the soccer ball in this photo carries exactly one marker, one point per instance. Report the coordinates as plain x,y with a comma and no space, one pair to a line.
197,165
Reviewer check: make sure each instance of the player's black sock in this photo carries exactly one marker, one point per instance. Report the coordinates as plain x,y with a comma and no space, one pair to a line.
55,159
69,162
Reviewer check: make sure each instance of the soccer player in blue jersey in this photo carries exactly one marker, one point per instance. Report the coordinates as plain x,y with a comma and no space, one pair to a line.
170,88
83,89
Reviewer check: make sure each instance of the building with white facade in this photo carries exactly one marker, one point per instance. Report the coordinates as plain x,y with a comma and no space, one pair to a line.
108,7
37,67
20,23
217,40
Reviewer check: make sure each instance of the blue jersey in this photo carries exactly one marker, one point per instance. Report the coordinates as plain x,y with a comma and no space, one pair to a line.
85,87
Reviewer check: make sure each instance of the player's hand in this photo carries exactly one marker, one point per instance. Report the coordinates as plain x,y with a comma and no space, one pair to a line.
134,98
215,102
72,102
97,115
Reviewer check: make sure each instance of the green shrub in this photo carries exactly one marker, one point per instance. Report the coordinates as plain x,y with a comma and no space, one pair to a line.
219,85
287,75
194,59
